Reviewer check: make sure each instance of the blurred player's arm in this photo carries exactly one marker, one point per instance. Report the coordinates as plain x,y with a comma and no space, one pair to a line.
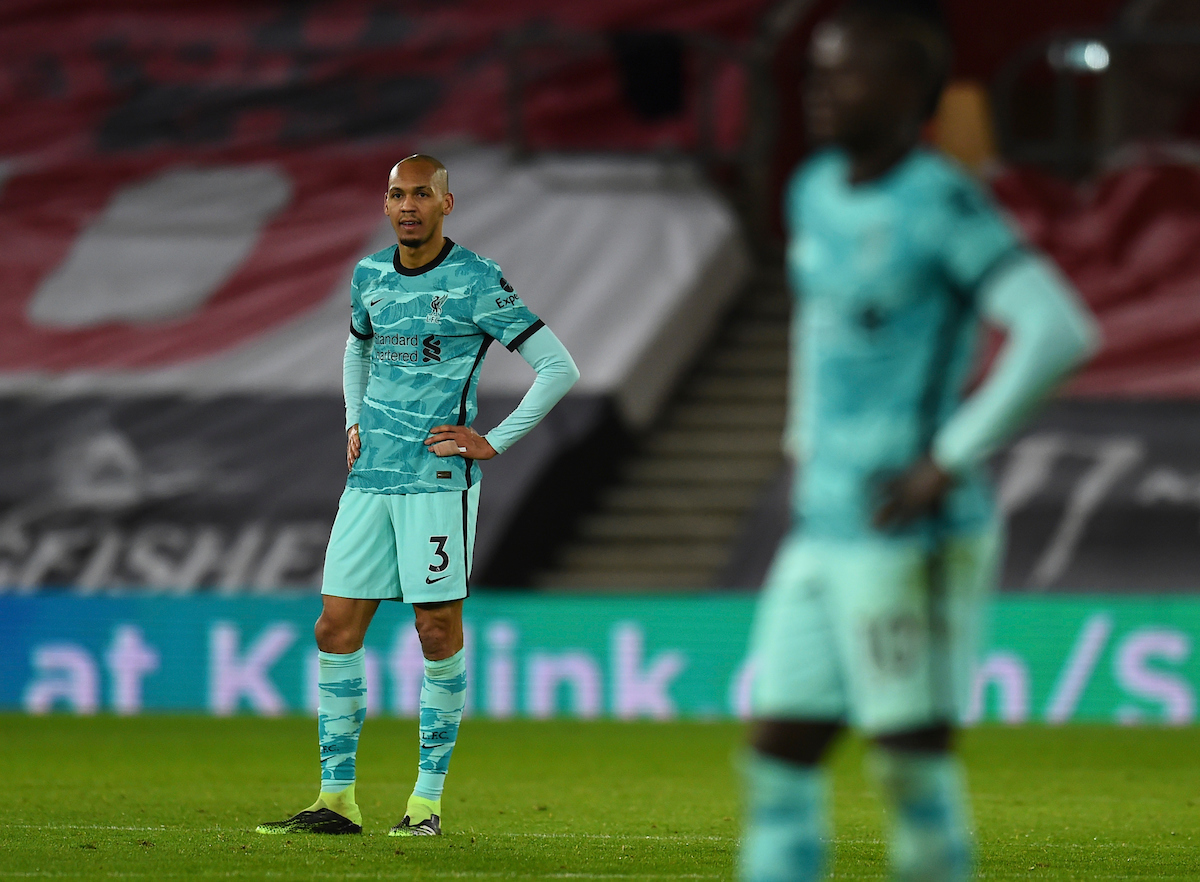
556,374
356,368
1050,333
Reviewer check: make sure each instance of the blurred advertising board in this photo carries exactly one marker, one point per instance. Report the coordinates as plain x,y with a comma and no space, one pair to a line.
1053,660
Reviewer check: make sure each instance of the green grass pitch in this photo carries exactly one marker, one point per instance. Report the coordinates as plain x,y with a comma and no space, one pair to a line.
178,797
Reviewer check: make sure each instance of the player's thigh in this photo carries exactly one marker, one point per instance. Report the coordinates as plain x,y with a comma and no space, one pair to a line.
971,571
435,536
360,560
796,669
908,623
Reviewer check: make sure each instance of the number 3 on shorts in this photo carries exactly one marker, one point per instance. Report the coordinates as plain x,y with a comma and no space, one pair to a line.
440,552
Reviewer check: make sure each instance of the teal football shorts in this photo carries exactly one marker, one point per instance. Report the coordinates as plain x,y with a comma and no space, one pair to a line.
880,634
413,547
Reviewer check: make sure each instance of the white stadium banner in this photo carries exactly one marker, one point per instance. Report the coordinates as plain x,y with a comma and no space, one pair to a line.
161,247
631,262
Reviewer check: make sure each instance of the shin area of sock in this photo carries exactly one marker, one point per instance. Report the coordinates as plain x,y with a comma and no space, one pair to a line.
341,709
443,695
786,826
928,814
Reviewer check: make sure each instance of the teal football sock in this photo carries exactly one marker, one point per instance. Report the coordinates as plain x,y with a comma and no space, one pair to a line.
930,825
784,839
341,709
443,694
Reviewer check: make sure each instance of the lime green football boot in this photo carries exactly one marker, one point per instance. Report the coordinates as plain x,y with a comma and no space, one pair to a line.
423,817
332,814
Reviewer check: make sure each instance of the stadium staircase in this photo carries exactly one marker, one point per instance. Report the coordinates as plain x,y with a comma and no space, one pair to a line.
672,517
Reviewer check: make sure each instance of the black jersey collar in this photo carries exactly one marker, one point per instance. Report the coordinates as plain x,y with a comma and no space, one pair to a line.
424,268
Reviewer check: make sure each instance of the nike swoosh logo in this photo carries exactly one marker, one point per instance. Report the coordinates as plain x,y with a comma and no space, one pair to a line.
373,302
429,581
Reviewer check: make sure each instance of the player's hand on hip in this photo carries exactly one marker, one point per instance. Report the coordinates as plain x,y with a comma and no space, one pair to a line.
915,493
353,446
459,441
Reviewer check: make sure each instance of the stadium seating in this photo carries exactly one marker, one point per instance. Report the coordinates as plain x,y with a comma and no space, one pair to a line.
180,219
184,188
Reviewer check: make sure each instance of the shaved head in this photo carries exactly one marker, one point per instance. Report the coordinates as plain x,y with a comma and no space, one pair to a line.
418,200
439,177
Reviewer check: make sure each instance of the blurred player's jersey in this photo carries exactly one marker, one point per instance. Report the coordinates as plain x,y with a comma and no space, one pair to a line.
886,276
430,329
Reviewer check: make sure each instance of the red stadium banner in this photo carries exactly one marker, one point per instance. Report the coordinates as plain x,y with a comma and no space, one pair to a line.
1130,241
111,113
176,179
66,300
127,76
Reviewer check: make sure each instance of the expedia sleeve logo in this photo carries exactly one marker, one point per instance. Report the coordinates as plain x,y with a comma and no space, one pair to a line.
511,300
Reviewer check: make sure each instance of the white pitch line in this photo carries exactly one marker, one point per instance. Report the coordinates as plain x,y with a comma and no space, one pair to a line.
680,837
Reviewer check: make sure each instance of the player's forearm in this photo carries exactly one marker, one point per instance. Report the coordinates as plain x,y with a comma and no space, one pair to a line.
1049,334
356,368
556,374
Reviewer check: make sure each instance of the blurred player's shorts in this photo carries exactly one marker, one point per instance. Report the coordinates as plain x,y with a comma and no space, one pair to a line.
881,634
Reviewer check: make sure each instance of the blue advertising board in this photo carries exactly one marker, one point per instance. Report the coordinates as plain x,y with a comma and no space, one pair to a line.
1054,660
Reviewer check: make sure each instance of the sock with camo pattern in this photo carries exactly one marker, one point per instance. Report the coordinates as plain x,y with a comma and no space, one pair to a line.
443,694
784,839
930,836
341,709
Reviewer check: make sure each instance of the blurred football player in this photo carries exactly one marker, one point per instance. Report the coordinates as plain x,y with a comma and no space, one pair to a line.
872,609
422,315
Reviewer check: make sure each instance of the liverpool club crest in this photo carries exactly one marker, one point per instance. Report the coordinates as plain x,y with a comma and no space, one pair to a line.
435,308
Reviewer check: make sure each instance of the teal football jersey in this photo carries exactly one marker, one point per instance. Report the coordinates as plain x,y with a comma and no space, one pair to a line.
430,329
886,275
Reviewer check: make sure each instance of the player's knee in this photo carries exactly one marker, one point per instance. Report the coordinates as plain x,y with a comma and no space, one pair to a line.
321,631
439,627
802,742
929,739
335,636
434,634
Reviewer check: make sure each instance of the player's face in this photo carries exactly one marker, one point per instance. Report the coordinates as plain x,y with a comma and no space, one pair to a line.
416,203
852,94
